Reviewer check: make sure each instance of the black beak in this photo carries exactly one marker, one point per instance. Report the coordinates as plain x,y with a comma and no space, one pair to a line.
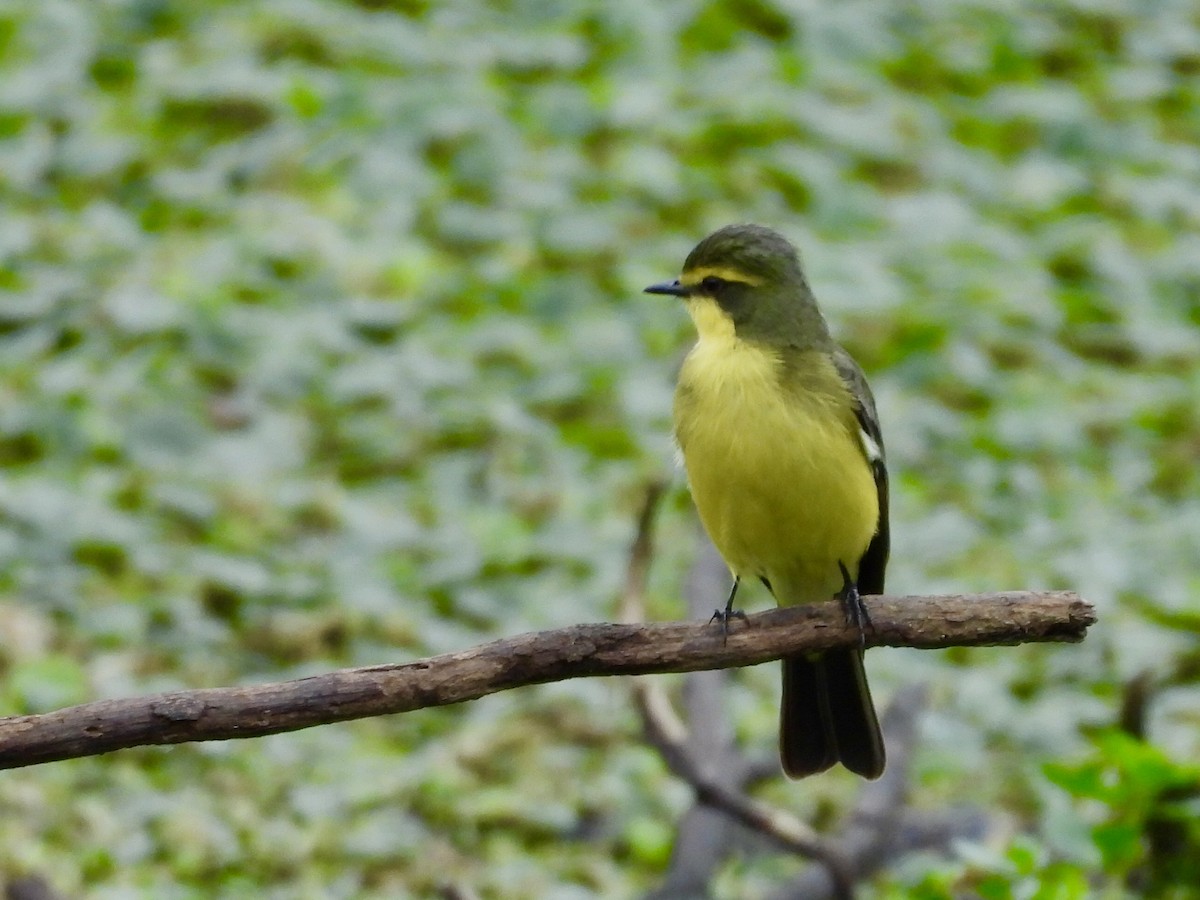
672,288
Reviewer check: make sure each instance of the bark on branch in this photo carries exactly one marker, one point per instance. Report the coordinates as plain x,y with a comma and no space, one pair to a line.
579,651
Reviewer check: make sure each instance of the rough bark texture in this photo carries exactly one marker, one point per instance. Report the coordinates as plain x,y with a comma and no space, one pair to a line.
575,652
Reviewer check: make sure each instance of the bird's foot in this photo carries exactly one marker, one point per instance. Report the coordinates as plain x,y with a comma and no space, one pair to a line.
852,605
725,615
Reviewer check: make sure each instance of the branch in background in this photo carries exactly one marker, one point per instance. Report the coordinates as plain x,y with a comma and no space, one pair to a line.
30,887
669,735
881,827
705,836
579,651
877,810
878,829
1135,699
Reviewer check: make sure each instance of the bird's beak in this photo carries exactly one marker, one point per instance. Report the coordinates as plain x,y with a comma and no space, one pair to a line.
672,288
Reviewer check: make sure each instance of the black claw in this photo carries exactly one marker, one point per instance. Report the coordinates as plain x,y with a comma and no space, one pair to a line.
853,607
724,615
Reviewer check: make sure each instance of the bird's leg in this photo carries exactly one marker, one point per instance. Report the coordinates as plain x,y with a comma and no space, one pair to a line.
852,605
724,615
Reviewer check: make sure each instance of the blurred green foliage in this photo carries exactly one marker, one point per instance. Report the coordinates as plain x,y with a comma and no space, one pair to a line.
321,343
1143,837
1149,832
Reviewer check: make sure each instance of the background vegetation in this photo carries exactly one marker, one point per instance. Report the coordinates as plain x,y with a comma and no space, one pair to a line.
322,343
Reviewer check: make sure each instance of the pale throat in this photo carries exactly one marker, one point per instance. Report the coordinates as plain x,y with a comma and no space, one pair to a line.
712,322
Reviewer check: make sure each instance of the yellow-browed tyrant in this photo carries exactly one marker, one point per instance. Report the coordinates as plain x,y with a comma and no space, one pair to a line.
785,460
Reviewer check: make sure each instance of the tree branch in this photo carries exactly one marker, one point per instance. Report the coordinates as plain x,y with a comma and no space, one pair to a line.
578,651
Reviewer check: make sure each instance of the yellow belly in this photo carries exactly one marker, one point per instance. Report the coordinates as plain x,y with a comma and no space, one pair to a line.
780,480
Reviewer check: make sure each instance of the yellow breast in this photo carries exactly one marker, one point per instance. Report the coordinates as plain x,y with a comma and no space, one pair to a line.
777,470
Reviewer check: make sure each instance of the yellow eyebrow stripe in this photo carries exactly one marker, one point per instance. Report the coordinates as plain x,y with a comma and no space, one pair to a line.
695,276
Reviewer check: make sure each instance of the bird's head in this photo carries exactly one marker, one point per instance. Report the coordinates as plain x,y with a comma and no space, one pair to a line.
746,281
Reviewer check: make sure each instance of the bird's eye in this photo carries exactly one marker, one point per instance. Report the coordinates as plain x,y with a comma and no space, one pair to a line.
711,284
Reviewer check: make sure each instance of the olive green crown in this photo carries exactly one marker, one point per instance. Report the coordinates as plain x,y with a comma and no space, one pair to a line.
754,250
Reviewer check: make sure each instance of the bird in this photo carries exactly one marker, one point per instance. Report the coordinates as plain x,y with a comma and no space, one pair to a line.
780,439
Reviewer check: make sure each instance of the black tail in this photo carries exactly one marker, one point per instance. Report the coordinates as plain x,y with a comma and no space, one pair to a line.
826,716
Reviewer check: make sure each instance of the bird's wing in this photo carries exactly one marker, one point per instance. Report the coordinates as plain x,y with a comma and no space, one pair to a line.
874,561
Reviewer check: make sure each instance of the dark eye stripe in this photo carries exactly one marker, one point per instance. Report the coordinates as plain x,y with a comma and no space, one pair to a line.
711,284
